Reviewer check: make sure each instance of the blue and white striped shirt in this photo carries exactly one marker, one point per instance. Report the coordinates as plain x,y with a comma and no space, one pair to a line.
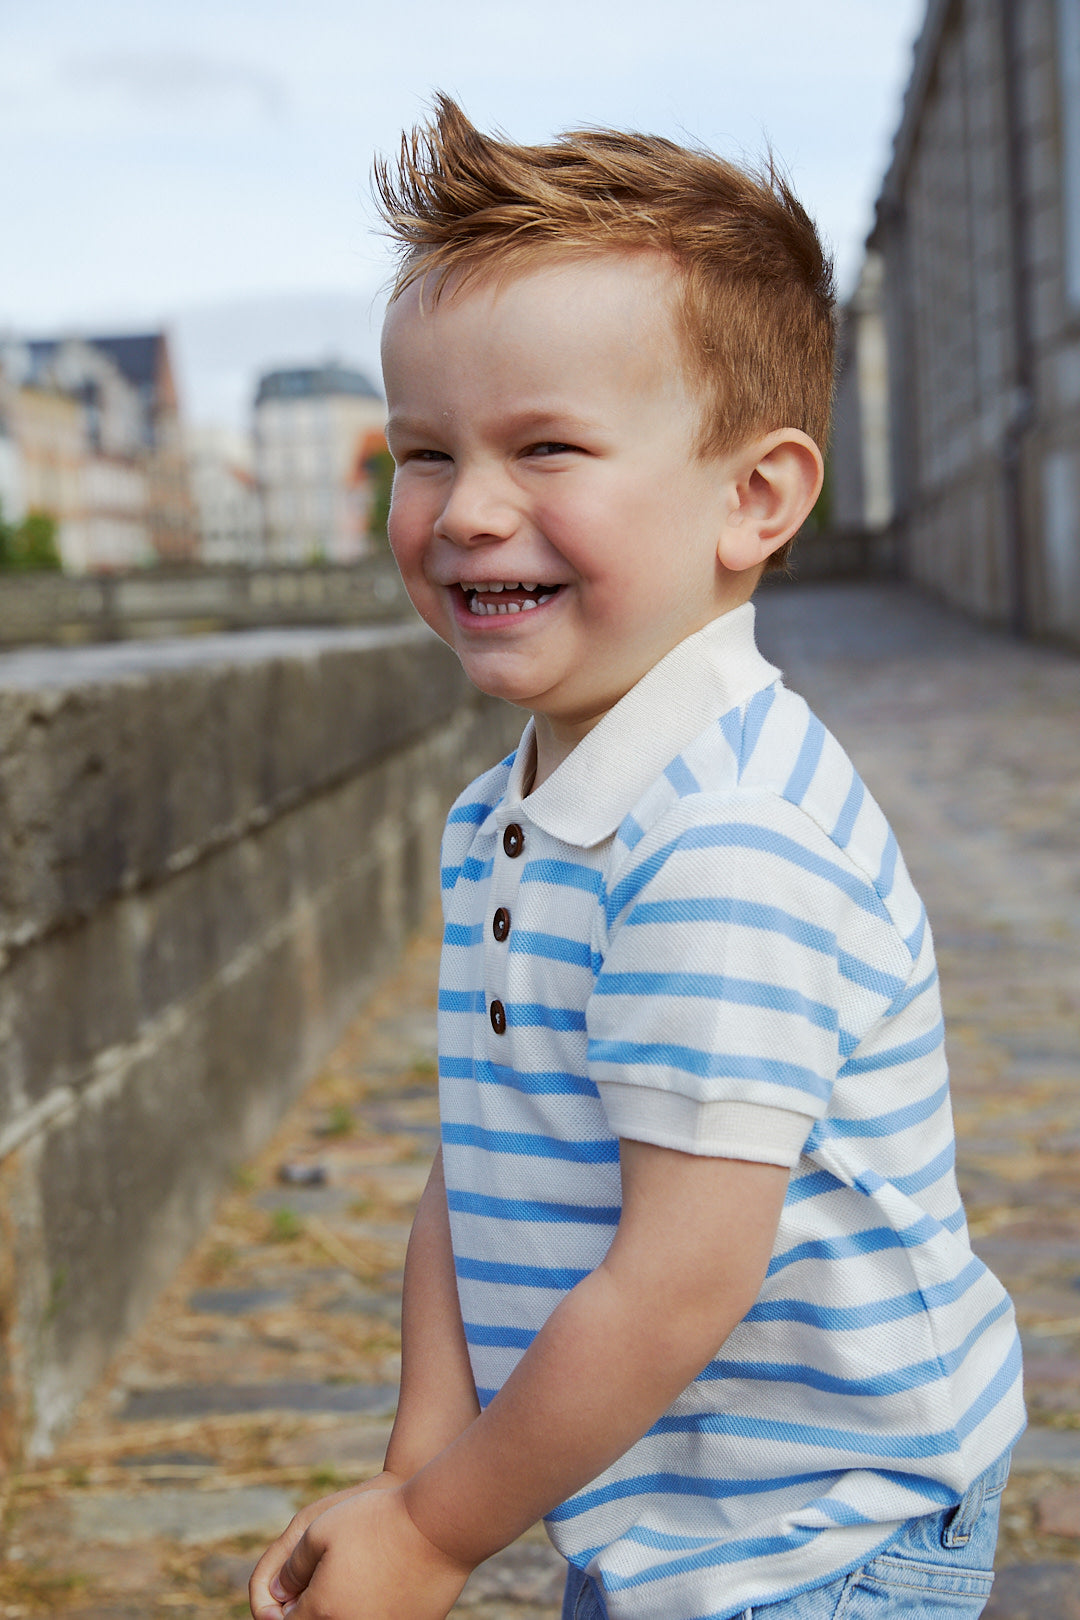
699,932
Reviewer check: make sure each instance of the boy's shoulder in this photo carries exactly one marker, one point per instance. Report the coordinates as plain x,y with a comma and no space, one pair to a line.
768,779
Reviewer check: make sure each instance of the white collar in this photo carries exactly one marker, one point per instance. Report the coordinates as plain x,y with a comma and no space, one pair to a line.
598,784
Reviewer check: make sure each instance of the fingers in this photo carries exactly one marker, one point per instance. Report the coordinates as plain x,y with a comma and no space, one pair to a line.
297,1570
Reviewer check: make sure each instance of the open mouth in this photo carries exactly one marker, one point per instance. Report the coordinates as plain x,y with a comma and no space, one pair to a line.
499,597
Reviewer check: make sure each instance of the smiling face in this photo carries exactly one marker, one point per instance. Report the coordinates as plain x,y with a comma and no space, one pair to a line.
551,516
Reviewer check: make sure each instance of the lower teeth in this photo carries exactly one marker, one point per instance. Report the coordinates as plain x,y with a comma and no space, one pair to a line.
488,608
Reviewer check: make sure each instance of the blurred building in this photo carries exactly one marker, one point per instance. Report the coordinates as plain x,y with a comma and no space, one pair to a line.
311,429
228,512
977,290
95,427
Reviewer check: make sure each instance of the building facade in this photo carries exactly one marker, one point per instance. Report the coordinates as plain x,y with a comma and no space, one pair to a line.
974,280
228,512
95,431
311,428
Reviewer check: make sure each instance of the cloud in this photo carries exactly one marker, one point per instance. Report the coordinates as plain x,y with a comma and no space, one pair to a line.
182,81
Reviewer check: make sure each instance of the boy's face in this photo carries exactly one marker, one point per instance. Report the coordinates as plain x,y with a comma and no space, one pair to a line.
551,517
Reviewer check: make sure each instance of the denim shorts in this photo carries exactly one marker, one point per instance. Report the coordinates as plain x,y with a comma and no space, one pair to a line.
939,1567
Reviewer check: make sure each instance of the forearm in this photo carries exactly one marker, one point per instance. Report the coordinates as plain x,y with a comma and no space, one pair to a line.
437,1399
608,1362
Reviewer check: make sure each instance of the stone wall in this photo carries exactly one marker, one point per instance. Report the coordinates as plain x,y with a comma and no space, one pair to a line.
209,850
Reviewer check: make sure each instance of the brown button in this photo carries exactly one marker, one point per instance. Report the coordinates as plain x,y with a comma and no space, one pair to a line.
497,1014
513,840
500,924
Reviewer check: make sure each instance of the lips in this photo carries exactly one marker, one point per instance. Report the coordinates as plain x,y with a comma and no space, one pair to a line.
489,597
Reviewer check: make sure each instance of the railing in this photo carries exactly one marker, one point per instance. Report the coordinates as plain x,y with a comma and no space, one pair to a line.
176,601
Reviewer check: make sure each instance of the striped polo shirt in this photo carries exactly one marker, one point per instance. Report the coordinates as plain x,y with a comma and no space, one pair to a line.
699,932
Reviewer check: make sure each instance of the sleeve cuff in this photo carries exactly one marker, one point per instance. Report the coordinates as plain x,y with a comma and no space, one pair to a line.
720,1130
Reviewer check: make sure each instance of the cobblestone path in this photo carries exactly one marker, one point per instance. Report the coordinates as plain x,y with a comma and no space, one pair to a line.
266,1375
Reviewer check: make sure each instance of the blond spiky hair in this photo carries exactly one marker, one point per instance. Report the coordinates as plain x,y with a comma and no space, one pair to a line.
755,314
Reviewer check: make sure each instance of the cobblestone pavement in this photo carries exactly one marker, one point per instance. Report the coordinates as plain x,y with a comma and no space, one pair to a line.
266,1375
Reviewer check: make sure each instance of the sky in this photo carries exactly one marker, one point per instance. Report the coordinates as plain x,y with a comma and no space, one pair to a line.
206,166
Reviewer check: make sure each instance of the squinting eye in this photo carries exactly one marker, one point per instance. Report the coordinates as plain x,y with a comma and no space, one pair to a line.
550,447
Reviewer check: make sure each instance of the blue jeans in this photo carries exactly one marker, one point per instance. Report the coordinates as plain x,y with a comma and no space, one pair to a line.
937,1568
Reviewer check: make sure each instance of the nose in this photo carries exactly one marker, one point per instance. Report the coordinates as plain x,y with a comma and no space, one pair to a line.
478,510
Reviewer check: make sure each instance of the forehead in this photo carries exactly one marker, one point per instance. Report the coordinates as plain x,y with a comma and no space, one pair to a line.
615,308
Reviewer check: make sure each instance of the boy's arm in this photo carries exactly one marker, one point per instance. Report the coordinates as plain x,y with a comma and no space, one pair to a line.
437,1397
687,1262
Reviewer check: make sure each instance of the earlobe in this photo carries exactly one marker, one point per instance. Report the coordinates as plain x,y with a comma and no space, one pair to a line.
774,486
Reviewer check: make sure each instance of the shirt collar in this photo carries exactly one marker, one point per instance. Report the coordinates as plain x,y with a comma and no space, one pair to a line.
598,784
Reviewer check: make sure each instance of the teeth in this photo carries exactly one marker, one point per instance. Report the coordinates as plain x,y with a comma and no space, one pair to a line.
485,609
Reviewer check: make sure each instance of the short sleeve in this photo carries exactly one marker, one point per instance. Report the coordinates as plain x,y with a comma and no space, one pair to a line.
715,1020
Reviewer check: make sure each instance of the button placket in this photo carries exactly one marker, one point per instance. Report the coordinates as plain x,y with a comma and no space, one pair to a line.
506,877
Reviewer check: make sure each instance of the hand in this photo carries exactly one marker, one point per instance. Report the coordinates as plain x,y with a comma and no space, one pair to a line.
363,1558
265,1607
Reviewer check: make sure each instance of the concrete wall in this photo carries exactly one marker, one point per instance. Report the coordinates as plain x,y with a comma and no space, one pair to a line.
983,322
208,851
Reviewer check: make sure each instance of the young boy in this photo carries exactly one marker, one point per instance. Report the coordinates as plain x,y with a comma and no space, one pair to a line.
690,1278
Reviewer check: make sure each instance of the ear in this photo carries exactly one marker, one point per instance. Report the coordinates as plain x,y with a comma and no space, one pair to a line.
773,484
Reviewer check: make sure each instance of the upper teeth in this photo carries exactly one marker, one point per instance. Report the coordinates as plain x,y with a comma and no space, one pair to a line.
496,586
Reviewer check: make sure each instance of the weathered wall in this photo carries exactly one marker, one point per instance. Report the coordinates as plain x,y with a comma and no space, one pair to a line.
982,301
208,850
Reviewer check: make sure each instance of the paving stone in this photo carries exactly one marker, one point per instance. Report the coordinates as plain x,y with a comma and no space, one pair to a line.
122,1518
226,1574
204,1400
528,1572
1059,1512
346,1445
235,1301
1044,1591
1042,1448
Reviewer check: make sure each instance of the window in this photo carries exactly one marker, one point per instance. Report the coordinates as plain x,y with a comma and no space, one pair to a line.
1069,56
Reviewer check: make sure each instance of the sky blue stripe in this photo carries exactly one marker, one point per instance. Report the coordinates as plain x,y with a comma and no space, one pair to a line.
728,1552
474,871
756,714
551,947
845,822
764,840
460,934
709,1065
534,1082
912,992
532,1209
719,987
530,1144
740,913
920,1047
855,1318
499,1338
563,874
448,876
867,1443
915,938
461,1001
474,812
868,977
807,762
537,1015
509,1276
998,1387
887,872
919,1180
682,778
893,1381
631,832
731,728
669,1484
873,1240
899,1119
812,1185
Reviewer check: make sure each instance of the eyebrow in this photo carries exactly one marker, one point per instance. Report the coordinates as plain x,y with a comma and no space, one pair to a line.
533,419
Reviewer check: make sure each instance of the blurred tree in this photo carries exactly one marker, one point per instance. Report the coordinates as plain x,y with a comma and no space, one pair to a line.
29,547
379,466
